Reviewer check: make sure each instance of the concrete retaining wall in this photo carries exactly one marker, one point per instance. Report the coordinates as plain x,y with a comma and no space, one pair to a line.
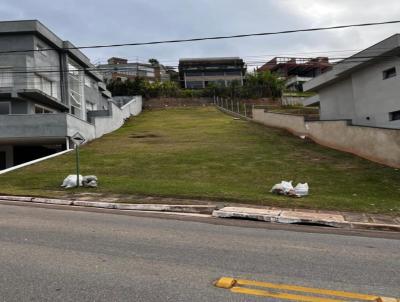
75,125
292,123
107,124
176,102
133,108
293,100
377,144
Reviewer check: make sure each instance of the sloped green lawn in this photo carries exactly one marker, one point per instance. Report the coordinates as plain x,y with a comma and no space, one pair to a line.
203,153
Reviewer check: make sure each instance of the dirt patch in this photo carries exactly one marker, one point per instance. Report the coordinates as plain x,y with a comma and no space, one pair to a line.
146,135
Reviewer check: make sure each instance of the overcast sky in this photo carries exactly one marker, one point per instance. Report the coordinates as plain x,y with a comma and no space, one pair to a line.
88,22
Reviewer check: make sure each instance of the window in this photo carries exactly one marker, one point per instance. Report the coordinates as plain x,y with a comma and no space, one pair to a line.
88,82
214,73
389,73
40,49
42,110
76,82
194,73
6,77
233,73
45,85
394,116
90,106
5,108
194,84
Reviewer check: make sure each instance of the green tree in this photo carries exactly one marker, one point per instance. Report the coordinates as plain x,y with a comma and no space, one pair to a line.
263,84
154,62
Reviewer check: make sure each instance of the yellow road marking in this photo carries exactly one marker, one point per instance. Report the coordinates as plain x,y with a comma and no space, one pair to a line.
310,290
263,293
291,292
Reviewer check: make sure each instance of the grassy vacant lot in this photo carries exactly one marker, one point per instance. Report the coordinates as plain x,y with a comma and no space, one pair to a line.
202,153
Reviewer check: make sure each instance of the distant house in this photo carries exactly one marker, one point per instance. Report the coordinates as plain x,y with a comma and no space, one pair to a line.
172,73
120,68
363,88
297,71
49,90
200,72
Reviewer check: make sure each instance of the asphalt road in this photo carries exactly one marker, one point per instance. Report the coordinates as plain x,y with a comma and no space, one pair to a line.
53,255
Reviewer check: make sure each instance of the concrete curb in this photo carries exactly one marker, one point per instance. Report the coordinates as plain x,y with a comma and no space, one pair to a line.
266,215
193,209
298,217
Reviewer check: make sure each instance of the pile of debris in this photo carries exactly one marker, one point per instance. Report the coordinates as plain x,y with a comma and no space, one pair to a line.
286,188
89,181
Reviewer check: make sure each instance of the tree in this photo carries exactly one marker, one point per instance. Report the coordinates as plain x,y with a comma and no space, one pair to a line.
154,62
263,84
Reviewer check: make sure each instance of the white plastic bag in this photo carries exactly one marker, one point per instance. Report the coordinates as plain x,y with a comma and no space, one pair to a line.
70,181
282,188
90,181
286,188
301,189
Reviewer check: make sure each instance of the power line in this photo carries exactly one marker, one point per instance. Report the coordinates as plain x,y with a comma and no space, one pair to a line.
56,69
212,38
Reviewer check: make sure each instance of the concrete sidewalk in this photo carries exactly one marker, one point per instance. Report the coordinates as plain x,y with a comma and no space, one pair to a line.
348,220
313,217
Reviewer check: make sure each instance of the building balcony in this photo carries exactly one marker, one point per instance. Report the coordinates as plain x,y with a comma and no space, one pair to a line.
42,128
34,95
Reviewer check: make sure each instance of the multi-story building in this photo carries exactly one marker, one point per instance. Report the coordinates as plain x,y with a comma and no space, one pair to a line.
363,88
200,72
119,68
48,92
297,71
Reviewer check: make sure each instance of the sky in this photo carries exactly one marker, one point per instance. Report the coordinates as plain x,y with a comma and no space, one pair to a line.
94,22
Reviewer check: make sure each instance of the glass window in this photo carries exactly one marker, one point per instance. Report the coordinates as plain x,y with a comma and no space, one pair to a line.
6,77
45,85
233,73
214,73
5,108
76,82
194,84
90,106
42,110
193,73
41,49
389,73
88,82
394,116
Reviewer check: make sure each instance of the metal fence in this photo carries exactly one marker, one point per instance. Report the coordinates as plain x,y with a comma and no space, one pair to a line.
233,106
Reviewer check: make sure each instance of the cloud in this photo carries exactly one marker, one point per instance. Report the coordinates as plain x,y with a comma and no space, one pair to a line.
119,21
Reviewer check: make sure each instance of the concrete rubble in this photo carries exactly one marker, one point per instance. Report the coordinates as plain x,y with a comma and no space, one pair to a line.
310,217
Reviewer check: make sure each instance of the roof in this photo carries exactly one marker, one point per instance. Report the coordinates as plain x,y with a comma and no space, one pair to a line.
375,53
210,59
213,60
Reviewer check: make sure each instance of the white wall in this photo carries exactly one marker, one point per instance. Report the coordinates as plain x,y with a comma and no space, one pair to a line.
364,97
375,97
107,124
337,101
376,144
